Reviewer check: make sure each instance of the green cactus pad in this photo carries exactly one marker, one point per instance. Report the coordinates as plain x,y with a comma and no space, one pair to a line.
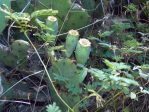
88,4
72,15
3,21
71,42
20,48
6,57
52,23
16,56
69,15
62,6
82,51
76,19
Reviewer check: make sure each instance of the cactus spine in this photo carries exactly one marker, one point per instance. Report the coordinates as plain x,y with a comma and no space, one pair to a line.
82,51
71,42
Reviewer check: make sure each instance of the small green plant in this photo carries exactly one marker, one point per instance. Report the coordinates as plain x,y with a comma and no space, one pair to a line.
131,8
66,72
122,42
53,108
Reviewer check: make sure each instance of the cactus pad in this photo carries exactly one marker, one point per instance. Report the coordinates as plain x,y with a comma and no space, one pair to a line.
2,15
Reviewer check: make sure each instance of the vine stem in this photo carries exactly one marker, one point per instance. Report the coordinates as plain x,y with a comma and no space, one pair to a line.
81,101
113,97
110,100
50,80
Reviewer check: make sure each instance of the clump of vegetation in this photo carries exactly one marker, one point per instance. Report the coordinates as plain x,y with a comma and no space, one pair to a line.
99,66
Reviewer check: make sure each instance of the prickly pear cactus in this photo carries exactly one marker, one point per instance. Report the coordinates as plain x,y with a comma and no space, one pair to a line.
6,57
76,19
52,23
20,48
83,51
94,7
72,14
88,4
3,21
15,56
71,42
21,3
18,5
